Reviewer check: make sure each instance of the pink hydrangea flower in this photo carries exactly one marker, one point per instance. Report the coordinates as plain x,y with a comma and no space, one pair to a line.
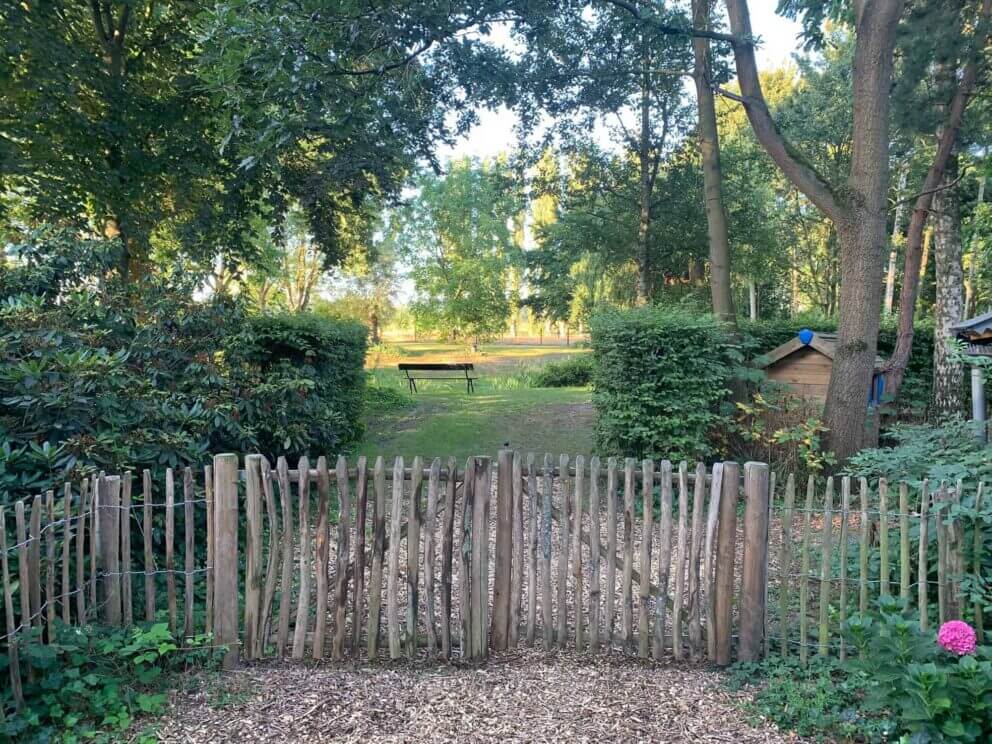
957,637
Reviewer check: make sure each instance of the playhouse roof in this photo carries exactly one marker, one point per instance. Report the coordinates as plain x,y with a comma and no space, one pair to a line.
979,327
824,343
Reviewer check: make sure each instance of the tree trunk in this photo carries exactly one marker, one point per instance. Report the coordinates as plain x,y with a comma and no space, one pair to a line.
890,275
895,368
948,376
969,287
709,149
374,327
644,222
752,296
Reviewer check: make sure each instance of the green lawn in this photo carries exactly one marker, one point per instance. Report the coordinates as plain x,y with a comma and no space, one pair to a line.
443,420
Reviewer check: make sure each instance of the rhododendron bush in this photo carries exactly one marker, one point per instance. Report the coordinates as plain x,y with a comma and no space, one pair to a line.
936,684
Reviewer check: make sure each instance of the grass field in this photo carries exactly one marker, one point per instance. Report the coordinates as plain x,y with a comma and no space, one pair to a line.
442,419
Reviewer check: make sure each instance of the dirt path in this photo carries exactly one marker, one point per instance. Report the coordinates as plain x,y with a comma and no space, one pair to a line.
520,696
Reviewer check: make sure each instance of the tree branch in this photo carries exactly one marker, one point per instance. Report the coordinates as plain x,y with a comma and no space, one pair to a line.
666,28
930,192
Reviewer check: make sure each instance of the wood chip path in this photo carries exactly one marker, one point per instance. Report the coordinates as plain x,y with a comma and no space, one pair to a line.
525,695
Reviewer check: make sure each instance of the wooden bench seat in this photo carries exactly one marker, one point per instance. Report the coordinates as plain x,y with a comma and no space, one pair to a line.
465,368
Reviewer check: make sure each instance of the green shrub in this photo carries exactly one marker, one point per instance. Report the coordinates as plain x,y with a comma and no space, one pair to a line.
301,378
822,701
91,683
660,376
932,694
573,372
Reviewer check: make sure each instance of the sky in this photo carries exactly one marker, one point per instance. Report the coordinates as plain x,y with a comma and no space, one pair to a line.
494,133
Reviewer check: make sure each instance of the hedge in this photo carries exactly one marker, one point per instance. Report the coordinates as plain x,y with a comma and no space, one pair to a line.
660,375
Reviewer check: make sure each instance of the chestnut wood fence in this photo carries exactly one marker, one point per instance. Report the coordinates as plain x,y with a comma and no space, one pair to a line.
376,560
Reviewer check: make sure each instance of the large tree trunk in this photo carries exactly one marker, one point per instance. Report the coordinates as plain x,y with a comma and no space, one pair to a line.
752,296
948,398
890,275
709,149
859,212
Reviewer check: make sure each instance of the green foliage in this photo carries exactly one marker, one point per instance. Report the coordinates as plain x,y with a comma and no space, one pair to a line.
821,702
660,375
93,378
576,371
92,683
940,453
932,694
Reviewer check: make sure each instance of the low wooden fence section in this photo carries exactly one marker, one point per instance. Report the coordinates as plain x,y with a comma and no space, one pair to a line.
389,560
846,542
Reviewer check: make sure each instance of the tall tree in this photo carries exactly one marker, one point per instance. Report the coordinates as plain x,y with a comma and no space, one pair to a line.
948,374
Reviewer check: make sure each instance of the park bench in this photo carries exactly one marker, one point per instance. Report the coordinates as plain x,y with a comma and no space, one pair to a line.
416,369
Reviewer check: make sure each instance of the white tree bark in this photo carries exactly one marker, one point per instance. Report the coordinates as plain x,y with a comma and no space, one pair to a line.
948,376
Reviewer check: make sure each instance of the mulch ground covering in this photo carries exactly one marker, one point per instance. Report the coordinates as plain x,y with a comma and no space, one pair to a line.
525,695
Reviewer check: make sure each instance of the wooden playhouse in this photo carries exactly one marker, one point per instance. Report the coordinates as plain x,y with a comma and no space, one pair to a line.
804,364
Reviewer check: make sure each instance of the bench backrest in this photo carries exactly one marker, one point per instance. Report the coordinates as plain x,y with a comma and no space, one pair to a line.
436,367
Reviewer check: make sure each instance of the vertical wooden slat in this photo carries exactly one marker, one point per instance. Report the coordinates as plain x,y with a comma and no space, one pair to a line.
504,552
170,536
768,608
611,550
977,564
755,562
647,533
519,552
126,589
546,507
563,551
344,553
955,555
23,565
465,558
940,516
303,599
922,563
863,548
288,558
532,531
826,547
709,578
225,490
804,560
480,558
13,641
84,506
904,568
34,555
50,565
680,559
146,528
430,548
883,537
66,549
695,553
664,560
378,556
594,548
208,496
392,582
627,608
578,488
94,540
845,507
272,560
447,549
361,520
725,552
414,521
785,565
322,556
110,564
189,552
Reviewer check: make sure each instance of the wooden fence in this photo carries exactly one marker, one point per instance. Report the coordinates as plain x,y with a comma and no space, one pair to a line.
455,560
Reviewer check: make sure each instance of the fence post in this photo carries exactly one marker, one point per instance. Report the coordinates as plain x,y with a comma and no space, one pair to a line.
754,578
109,559
504,551
253,555
480,558
724,571
226,556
